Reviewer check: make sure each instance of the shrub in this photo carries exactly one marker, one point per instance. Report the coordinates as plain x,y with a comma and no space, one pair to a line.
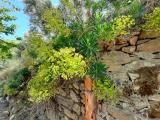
15,82
64,64
152,20
88,45
122,24
112,29
104,88
41,86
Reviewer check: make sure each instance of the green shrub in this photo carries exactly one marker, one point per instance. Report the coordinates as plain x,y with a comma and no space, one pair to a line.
88,45
110,30
122,24
15,82
104,88
152,20
64,64
41,86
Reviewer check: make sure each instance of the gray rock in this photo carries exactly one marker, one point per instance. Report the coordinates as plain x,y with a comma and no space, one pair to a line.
77,109
141,63
12,117
115,59
157,56
133,76
154,98
5,113
70,114
74,96
63,101
145,55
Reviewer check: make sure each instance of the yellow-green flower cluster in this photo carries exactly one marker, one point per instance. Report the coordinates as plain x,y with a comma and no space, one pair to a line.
63,64
68,64
122,24
152,20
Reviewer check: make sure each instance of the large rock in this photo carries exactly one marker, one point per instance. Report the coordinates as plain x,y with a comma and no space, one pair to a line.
141,63
149,34
151,46
145,55
115,59
120,114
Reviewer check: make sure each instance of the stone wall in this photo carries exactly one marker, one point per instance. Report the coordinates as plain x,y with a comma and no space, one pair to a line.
135,68
134,65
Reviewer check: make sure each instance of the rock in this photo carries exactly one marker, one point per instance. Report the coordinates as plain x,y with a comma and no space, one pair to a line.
115,59
12,117
157,56
119,77
6,113
155,98
61,92
76,85
74,97
3,104
129,49
143,41
149,34
64,101
133,40
117,47
145,55
141,63
133,76
120,114
51,114
71,115
114,68
151,46
154,110
77,109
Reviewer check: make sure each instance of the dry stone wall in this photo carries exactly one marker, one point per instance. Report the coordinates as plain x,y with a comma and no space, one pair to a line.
135,68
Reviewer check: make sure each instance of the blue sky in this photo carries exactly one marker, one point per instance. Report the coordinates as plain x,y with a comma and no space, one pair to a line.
22,20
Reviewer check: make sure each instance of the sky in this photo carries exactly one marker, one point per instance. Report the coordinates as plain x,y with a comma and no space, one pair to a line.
22,20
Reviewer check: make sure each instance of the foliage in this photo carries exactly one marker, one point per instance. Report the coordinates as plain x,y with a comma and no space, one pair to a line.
104,87
127,7
54,66
54,23
6,18
41,86
64,64
88,45
68,64
122,24
5,49
152,20
110,30
16,81
104,90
